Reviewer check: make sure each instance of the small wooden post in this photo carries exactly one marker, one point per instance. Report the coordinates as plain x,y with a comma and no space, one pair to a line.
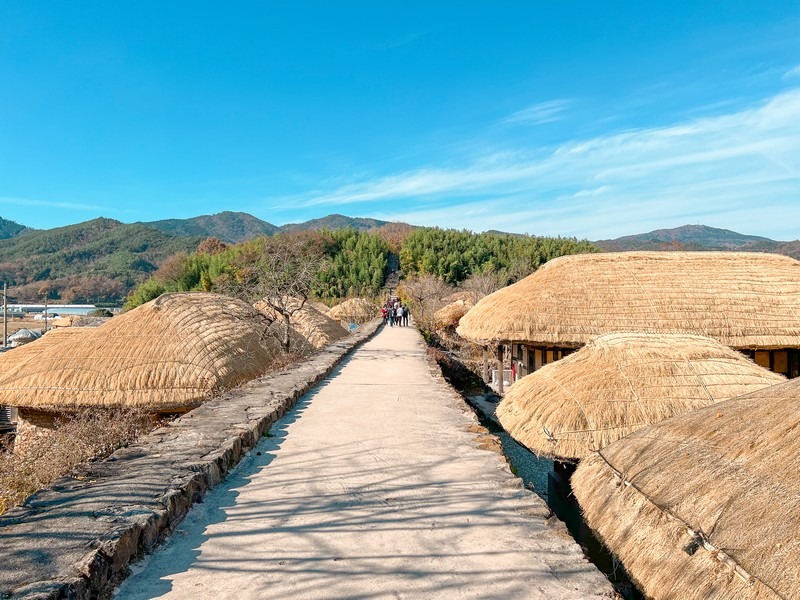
500,387
485,365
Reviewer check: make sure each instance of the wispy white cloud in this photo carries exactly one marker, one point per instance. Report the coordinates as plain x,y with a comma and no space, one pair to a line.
543,112
792,73
740,169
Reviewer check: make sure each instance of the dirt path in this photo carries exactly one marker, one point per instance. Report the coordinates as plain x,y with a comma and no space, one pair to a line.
371,488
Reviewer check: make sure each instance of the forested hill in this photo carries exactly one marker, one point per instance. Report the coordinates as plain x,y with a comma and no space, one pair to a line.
230,227
698,237
95,261
335,221
103,260
9,229
355,262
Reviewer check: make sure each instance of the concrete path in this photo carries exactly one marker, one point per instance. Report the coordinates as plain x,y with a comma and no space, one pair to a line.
373,487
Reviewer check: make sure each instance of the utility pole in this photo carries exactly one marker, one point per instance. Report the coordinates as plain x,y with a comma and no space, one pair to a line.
47,293
5,315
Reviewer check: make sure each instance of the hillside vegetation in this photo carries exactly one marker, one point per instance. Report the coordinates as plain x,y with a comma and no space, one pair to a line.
96,261
355,263
456,255
9,229
230,227
335,221
699,237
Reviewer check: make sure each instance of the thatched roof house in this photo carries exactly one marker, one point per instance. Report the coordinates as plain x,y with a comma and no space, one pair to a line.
707,504
449,316
619,383
355,310
467,296
747,301
316,329
168,355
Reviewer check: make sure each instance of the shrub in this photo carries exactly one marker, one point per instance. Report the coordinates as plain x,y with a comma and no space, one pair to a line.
84,436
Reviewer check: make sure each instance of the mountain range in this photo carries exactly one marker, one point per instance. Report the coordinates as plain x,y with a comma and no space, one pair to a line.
102,260
699,237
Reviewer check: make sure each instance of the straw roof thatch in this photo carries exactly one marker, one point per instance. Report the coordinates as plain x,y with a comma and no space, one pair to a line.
468,297
619,383
315,327
319,306
450,315
744,300
169,354
707,504
355,310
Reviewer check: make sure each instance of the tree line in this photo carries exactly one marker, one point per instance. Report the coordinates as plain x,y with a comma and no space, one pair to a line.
350,262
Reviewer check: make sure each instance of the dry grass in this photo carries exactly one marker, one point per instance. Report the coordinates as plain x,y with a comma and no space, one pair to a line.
707,504
744,300
619,383
51,454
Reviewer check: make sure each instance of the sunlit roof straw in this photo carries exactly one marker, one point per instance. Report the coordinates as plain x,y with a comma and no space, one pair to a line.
744,300
707,504
619,383
450,315
168,355
316,328
468,297
354,310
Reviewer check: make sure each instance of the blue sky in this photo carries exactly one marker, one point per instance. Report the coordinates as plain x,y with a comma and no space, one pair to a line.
574,118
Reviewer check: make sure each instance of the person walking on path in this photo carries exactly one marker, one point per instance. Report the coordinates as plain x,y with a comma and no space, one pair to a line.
405,315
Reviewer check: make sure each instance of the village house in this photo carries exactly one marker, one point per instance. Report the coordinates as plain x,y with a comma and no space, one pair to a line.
747,301
164,357
705,504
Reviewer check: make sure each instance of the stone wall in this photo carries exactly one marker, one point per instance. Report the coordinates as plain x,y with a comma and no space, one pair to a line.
76,539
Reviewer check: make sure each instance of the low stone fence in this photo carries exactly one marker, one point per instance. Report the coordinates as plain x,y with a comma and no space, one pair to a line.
76,539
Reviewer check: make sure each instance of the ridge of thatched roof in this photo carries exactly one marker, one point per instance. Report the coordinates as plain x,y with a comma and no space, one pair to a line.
619,383
450,315
316,328
169,354
467,296
357,310
707,504
742,299
319,306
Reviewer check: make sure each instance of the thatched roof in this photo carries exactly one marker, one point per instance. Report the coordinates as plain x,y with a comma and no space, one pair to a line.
355,310
707,504
469,297
744,299
169,354
619,383
319,306
316,328
450,315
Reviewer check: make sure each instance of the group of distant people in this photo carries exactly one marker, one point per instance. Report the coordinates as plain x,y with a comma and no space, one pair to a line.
395,313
